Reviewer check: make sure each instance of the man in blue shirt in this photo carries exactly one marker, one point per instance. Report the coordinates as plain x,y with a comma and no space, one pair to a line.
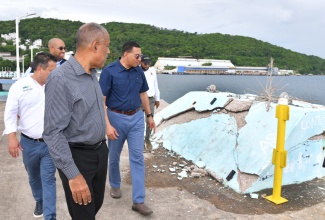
124,88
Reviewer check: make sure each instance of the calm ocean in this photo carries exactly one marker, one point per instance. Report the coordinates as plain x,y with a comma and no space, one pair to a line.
307,88
172,87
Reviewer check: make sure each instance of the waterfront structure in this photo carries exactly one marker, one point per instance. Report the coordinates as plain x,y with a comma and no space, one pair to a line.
208,67
251,70
285,72
192,65
7,56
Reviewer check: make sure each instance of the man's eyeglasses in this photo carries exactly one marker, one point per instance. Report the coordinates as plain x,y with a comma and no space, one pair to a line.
62,48
137,56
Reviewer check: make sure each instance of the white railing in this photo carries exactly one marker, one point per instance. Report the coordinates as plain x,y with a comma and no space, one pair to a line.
7,75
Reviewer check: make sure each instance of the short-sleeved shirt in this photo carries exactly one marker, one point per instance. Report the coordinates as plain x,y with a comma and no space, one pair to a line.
122,87
25,98
74,112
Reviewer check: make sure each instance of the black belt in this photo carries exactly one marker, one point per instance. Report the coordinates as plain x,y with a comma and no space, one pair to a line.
37,139
130,112
83,146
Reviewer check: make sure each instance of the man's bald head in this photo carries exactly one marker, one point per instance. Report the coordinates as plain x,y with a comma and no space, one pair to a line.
57,48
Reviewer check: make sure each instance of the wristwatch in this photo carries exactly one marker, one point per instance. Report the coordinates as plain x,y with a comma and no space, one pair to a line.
148,115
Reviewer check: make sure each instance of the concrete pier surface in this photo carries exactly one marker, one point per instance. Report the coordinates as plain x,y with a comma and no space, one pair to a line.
170,198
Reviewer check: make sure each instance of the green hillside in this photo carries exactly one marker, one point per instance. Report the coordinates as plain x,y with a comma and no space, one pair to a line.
161,42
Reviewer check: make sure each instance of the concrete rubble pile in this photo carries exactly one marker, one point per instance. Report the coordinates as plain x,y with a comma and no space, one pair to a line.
184,170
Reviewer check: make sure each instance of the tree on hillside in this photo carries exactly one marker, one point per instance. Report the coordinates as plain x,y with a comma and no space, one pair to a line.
162,42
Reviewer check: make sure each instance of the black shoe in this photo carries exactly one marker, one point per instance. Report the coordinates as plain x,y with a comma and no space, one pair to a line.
38,212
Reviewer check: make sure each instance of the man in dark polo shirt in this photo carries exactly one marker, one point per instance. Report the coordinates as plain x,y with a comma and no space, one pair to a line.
74,123
124,88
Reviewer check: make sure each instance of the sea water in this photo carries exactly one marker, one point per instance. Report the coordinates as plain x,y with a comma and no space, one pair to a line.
172,87
306,88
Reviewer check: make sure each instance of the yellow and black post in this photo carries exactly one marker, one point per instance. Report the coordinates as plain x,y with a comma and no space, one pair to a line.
279,157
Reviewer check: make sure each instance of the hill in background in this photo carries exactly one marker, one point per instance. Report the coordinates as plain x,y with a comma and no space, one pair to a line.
162,42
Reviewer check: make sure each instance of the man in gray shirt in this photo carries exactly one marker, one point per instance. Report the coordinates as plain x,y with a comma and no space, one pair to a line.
74,123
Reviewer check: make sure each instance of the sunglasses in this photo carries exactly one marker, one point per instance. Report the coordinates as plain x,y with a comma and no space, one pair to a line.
62,48
137,56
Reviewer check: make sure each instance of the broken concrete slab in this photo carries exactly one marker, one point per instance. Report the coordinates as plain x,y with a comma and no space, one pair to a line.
217,142
211,139
306,104
193,100
200,164
183,174
238,105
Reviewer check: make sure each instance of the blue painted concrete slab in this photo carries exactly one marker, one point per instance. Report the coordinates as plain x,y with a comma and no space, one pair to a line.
306,104
200,101
257,140
211,140
216,141
304,163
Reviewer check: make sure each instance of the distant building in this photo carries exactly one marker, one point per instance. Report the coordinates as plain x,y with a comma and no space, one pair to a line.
23,47
242,70
37,43
208,67
68,54
7,56
192,66
286,72
3,54
12,36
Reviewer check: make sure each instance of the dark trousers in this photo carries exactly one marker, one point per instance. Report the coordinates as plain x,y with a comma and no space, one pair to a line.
92,164
152,102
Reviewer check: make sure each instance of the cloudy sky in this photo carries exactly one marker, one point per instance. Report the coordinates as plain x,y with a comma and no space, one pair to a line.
298,25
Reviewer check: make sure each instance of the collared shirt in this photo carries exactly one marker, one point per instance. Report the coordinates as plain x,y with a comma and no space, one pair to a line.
151,77
74,112
122,86
25,99
59,63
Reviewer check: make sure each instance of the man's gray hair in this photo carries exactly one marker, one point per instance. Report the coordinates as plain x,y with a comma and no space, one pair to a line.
89,32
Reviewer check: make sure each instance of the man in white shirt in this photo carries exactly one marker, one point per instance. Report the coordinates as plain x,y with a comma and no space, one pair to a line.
26,102
153,92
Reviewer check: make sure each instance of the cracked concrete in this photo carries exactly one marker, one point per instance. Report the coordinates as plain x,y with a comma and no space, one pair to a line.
236,134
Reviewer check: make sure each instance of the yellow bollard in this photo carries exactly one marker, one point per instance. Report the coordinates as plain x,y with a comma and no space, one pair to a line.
279,157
